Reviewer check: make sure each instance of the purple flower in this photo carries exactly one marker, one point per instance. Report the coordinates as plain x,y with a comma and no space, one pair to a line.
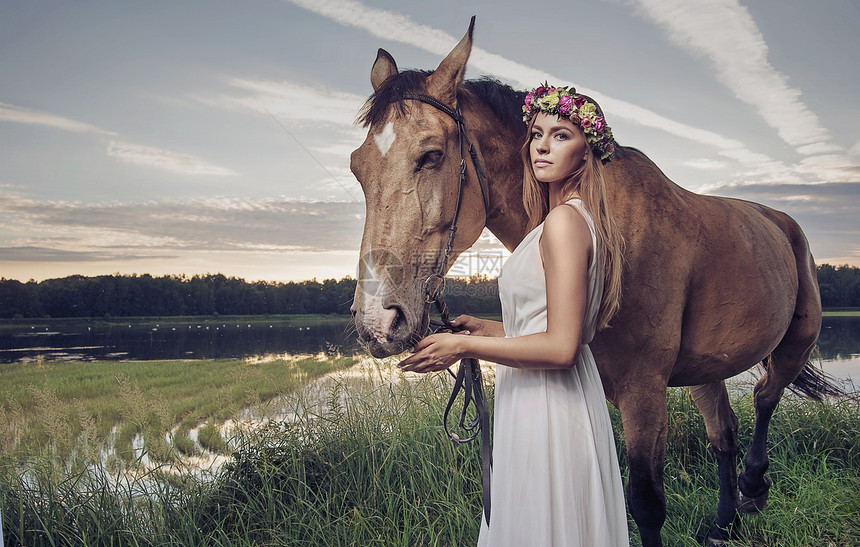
575,119
564,104
579,100
600,125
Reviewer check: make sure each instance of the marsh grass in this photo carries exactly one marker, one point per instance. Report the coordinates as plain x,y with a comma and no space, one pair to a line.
366,463
75,409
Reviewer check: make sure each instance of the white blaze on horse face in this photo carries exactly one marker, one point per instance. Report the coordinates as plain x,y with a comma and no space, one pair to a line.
385,138
378,319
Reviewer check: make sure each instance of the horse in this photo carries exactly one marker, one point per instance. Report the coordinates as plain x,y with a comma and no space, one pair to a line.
711,286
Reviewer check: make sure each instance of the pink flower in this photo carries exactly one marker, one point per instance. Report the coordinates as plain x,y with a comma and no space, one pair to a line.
586,123
579,100
529,98
539,91
600,125
610,148
564,104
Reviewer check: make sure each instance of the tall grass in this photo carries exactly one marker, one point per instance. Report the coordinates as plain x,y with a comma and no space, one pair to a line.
74,409
366,463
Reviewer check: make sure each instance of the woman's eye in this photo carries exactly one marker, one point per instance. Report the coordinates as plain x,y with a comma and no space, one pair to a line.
429,160
561,136
536,135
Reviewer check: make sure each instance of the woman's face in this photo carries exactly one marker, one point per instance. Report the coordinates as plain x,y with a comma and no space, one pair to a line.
557,148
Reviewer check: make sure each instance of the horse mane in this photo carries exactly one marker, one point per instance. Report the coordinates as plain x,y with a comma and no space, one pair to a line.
503,100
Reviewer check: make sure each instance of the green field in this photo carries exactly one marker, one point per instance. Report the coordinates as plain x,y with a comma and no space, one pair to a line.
841,313
364,462
73,408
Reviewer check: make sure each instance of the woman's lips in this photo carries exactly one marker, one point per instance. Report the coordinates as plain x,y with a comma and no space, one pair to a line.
542,163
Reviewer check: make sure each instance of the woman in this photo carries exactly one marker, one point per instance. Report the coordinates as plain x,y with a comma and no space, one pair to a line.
556,479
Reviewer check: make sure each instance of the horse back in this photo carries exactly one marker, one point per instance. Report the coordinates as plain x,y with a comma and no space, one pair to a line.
711,284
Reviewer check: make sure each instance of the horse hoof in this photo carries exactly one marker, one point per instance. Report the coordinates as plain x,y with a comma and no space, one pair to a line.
756,504
718,537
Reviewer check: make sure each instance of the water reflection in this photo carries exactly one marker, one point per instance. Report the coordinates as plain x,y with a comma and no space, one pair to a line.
147,340
839,338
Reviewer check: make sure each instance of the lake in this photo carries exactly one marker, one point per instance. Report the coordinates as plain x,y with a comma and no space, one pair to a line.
169,338
142,339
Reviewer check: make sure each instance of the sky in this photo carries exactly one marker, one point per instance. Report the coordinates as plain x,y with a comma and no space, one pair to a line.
194,137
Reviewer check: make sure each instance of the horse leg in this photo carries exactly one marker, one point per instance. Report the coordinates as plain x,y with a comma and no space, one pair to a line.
722,426
645,422
753,483
783,366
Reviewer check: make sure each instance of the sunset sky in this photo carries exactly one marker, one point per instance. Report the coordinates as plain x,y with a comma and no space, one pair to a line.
172,137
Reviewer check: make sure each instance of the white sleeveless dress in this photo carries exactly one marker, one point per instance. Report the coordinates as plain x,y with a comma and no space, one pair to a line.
556,480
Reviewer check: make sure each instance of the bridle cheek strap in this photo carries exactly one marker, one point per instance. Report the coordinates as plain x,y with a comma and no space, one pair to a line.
468,377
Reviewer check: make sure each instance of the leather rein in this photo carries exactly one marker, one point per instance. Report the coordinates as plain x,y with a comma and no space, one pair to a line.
468,377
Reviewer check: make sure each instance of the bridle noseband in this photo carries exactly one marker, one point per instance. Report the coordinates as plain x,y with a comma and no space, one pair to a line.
468,377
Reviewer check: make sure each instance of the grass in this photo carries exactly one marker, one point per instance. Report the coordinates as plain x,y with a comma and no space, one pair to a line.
841,313
65,408
365,462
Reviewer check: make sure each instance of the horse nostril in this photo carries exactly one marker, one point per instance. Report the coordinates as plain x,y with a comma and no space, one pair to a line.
391,319
399,320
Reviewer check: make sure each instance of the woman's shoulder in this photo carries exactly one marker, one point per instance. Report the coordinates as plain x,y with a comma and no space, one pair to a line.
567,216
566,225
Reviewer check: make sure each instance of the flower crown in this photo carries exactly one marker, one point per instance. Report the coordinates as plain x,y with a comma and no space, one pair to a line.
566,102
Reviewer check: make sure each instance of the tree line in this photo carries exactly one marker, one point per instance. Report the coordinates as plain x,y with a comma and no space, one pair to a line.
145,295
839,286
171,295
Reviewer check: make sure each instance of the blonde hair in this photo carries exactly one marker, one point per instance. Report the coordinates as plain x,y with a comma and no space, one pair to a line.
588,180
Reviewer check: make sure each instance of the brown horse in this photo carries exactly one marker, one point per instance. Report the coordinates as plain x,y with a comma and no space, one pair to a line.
711,286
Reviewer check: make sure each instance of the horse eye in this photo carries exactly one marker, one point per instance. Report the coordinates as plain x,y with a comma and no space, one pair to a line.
429,160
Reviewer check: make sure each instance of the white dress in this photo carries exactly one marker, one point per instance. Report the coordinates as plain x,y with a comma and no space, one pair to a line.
556,480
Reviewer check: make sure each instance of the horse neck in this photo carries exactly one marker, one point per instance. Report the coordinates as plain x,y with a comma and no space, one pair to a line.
637,188
499,151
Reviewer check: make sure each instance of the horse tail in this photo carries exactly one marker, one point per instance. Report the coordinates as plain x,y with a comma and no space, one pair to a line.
813,383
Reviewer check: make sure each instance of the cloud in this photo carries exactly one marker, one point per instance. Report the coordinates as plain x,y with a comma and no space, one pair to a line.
17,114
173,226
290,101
164,159
705,163
48,254
724,32
397,27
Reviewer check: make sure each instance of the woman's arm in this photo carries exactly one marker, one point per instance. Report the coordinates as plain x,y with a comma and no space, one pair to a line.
566,250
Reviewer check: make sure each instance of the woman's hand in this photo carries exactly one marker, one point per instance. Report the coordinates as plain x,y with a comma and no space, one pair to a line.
434,353
478,327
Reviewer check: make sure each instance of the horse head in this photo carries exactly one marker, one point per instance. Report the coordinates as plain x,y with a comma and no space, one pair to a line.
408,168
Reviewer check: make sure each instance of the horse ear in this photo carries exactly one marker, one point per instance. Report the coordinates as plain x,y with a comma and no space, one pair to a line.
444,81
383,68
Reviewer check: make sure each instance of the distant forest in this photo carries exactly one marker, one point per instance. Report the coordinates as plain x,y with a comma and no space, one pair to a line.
145,295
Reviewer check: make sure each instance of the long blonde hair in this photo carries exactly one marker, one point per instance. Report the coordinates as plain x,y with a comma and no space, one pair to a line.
590,183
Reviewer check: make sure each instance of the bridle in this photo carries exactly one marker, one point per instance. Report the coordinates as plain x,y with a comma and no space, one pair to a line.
431,293
468,377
